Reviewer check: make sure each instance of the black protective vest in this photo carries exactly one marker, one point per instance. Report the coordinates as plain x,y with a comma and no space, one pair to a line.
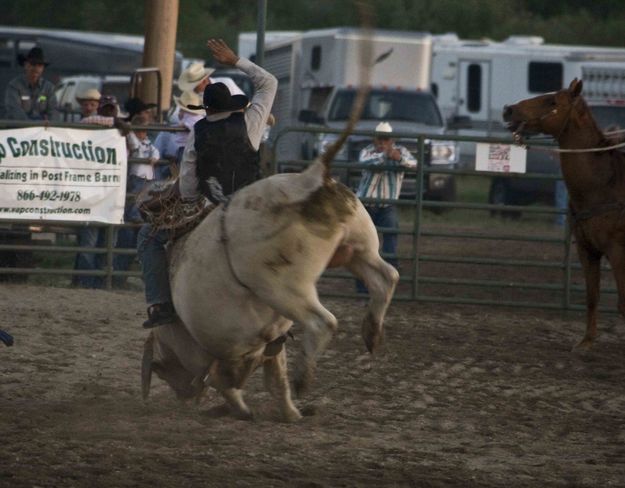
224,152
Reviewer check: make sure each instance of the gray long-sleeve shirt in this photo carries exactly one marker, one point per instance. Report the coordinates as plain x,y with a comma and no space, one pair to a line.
256,113
25,102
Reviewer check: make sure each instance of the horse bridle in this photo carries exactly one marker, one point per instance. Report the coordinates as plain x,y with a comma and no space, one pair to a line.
518,136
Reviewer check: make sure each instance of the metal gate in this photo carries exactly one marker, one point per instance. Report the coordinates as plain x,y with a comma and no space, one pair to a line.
483,259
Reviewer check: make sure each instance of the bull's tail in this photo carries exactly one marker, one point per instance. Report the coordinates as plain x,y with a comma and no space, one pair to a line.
366,49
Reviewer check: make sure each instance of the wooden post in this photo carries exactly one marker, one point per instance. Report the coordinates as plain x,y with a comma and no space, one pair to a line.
159,50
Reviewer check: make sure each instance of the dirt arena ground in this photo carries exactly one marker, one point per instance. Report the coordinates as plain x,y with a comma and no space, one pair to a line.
460,397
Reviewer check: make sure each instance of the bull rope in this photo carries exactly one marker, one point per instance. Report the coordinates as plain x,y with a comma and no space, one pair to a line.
224,240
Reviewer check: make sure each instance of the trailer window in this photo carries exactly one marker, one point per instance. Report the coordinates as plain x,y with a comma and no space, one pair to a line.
544,77
315,58
386,105
318,98
474,88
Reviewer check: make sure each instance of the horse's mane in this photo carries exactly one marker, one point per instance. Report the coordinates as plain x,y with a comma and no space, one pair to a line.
616,157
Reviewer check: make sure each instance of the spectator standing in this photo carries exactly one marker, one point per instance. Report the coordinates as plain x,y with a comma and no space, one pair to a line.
30,96
89,101
95,236
140,175
383,184
136,106
196,78
171,144
220,157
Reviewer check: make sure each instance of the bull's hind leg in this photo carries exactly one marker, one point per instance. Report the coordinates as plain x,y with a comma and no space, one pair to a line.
297,300
228,378
380,279
277,383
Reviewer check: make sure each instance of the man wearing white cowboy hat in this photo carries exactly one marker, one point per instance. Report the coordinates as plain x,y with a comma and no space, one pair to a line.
196,78
29,96
383,184
89,100
220,157
171,144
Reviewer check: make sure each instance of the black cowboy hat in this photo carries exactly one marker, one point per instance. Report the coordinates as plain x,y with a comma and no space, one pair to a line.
217,98
135,106
34,56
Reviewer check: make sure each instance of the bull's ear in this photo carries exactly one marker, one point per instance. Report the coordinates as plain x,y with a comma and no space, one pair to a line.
146,366
576,87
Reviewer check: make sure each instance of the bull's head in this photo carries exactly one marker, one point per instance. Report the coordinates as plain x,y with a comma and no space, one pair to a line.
160,359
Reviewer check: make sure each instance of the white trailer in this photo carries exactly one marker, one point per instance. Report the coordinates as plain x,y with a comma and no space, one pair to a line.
310,66
475,79
319,72
246,46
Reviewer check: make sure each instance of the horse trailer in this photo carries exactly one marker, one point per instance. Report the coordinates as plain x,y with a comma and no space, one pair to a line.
319,72
474,80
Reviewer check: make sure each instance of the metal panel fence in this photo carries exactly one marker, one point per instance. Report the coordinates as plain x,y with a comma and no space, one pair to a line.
28,246
449,251
469,255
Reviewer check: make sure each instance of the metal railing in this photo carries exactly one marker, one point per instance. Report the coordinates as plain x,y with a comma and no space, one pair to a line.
425,274
419,284
15,233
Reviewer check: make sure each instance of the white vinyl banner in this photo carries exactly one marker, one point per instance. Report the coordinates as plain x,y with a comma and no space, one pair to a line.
501,158
62,174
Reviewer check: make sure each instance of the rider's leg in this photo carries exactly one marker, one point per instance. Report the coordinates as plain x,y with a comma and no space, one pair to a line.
153,258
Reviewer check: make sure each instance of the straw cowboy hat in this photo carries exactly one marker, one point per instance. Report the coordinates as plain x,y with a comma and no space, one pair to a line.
190,98
192,76
384,127
89,94
34,56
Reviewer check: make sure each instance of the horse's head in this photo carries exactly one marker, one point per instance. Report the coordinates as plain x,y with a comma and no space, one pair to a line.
546,114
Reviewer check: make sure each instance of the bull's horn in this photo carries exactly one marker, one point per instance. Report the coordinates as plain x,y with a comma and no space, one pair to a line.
146,366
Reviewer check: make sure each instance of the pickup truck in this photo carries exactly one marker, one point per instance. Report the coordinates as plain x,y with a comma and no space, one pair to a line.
408,111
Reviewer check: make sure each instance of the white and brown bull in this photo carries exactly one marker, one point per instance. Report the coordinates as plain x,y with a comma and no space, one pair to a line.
249,270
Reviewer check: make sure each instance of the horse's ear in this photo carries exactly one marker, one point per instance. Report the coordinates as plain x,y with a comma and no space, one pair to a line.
576,87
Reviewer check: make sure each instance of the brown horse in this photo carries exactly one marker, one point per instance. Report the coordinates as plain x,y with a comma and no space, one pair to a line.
595,181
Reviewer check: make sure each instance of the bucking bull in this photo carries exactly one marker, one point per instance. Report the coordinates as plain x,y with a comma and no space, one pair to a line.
249,271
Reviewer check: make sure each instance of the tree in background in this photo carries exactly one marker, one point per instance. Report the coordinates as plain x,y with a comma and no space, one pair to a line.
558,21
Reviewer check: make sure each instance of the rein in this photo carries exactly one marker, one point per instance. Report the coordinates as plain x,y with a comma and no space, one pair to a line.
518,138
595,211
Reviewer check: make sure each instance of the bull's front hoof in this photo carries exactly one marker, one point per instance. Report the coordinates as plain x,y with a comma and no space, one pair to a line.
291,416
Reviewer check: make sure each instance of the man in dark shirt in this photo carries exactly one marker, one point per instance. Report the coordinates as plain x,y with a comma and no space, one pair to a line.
220,157
29,96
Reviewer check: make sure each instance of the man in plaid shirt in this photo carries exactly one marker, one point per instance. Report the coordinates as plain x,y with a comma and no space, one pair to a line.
384,184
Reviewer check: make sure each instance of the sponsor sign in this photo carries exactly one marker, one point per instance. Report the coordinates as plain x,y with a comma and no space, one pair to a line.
500,158
62,174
